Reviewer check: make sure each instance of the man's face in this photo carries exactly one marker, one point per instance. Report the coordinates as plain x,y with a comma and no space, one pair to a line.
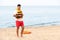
18,7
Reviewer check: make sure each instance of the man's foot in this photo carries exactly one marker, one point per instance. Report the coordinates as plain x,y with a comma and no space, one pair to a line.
17,35
21,36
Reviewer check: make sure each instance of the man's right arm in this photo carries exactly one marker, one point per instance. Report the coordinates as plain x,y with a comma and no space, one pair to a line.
14,14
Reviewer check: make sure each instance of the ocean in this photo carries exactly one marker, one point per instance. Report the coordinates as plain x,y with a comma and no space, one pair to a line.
33,15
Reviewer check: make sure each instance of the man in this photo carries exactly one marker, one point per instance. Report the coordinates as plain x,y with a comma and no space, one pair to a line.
19,20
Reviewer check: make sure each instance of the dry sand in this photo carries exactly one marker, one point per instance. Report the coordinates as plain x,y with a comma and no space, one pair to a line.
38,33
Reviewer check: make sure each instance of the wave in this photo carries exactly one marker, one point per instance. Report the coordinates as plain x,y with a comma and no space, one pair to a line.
12,24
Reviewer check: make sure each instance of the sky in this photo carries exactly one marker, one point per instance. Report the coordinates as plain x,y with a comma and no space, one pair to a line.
30,2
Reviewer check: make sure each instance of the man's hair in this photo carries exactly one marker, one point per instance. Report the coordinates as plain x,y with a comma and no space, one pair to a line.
19,5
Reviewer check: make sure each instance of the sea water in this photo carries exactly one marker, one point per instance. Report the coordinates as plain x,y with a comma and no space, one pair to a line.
33,15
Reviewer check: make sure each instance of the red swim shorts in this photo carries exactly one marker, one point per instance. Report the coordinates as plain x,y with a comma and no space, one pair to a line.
19,23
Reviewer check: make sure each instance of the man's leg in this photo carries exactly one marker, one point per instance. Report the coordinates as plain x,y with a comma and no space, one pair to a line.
22,31
17,31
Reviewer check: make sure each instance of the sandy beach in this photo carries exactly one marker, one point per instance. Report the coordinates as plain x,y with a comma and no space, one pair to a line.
38,33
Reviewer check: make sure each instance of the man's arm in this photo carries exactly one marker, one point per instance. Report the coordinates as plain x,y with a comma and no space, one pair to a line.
22,14
14,14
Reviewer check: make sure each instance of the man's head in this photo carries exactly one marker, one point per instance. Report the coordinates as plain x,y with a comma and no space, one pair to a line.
19,6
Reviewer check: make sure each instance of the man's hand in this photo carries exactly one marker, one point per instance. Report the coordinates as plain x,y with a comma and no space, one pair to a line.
14,15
